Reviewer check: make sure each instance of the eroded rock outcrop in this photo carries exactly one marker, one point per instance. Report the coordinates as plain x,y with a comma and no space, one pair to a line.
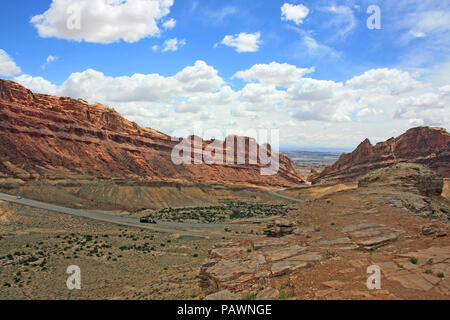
411,177
411,186
236,265
279,228
423,145
47,137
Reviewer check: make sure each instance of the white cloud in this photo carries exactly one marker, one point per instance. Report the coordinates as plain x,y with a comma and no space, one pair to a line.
317,49
385,81
38,84
49,60
8,67
169,24
243,42
417,34
307,111
369,113
94,86
424,101
155,48
102,21
422,27
431,21
274,73
173,44
343,20
295,13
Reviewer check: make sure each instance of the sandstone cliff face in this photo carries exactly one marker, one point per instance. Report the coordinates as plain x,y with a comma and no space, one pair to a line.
424,145
47,137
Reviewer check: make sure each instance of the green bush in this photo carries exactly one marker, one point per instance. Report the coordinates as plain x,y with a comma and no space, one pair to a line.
249,296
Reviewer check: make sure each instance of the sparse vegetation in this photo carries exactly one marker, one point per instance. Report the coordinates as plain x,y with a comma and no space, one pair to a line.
413,260
249,296
284,295
220,213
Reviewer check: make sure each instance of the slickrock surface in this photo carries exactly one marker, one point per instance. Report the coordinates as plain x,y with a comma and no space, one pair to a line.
424,145
335,239
47,137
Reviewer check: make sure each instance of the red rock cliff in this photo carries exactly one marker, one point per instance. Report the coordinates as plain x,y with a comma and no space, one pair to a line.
425,145
47,137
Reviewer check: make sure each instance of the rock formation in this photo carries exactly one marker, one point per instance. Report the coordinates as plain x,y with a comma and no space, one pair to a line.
51,138
410,186
412,177
423,145
279,228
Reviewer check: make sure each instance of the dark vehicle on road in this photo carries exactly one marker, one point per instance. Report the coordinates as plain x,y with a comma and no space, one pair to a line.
147,220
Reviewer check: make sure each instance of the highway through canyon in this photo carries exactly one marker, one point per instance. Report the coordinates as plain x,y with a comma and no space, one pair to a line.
162,226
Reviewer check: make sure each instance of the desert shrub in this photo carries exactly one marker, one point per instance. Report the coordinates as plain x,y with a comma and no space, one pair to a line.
249,296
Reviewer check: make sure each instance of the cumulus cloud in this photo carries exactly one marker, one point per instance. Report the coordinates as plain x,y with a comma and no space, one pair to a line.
243,42
394,81
295,13
274,73
94,86
102,21
275,95
8,67
173,44
38,84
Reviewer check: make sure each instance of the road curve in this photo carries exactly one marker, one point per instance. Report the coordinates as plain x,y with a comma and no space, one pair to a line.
161,226
276,194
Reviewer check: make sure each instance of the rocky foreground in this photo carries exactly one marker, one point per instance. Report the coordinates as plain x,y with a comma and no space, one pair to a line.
423,145
400,227
57,138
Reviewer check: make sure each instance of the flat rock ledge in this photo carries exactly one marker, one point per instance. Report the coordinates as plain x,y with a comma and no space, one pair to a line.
252,263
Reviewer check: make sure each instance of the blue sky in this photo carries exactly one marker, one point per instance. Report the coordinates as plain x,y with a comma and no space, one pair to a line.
224,64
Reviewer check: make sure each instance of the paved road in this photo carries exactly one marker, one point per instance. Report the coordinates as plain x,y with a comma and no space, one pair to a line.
161,226
276,194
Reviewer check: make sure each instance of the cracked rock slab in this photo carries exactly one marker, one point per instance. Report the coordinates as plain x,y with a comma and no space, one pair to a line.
283,253
286,266
361,226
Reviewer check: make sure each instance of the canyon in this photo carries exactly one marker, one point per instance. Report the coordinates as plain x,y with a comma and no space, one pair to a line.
424,145
52,138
